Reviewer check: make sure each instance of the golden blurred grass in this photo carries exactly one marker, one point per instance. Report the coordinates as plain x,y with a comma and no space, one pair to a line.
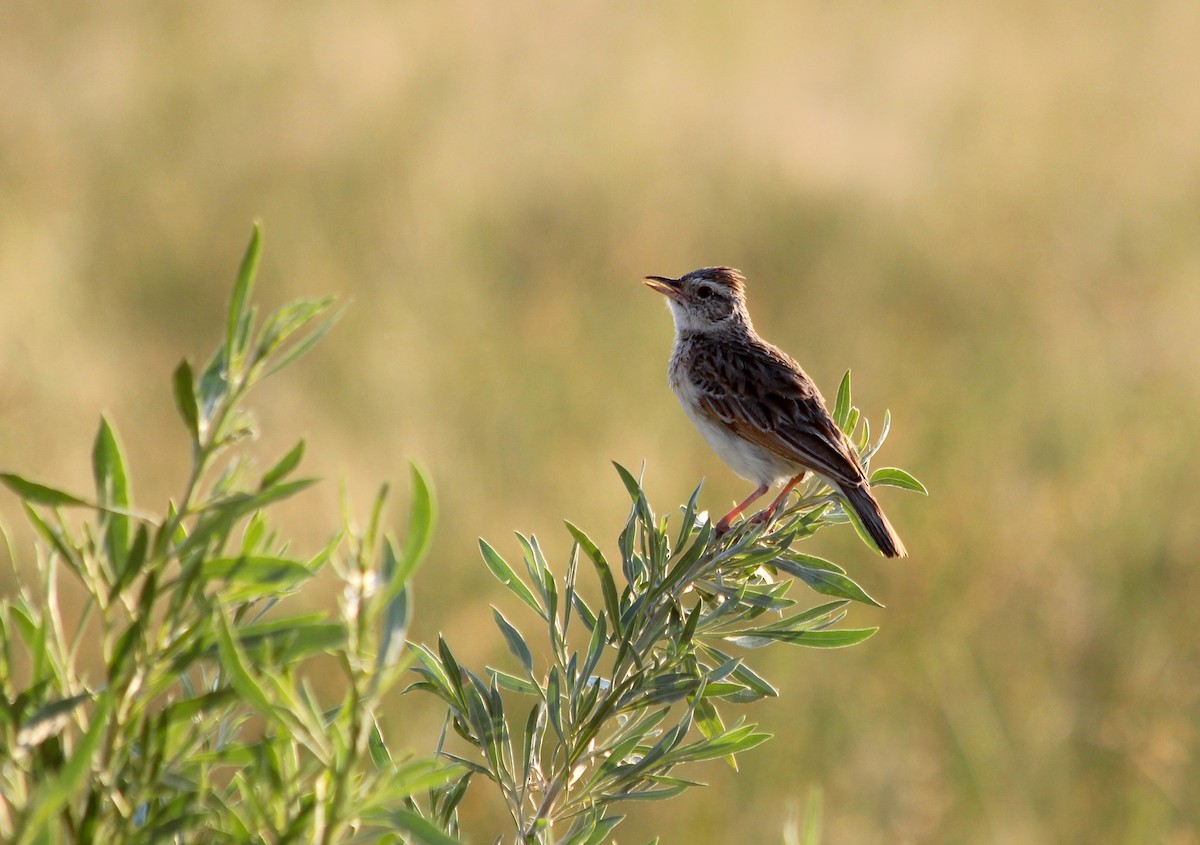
990,212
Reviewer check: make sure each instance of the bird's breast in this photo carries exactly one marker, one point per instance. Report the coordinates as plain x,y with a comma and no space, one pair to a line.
747,459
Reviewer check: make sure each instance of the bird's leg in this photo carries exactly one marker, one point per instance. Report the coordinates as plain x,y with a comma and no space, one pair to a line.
772,509
728,518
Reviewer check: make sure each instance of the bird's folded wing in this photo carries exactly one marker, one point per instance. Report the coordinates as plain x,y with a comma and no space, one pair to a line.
764,396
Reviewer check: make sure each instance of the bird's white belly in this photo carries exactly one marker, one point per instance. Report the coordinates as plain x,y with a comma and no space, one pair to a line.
749,460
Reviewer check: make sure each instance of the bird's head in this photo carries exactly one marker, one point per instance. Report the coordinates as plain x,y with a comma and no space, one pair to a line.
708,299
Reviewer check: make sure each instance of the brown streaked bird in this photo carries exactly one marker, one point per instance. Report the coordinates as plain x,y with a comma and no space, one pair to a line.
754,405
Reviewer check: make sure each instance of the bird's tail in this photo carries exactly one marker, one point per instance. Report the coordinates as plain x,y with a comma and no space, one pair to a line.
873,520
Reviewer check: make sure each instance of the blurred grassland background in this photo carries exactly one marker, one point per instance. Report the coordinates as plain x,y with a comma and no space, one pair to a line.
990,212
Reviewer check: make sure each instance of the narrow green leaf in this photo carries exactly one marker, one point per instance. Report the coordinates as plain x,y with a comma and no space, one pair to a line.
708,720
607,585
512,683
887,426
535,728
254,576
682,569
539,572
288,639
171,530
381,756
721,672
447,800
663,689
54,536
631,484
641,507
295,351
112,492
235,663
758,637
516,643
813,617
213,386
238,309
815,562
841,406
689,516
554,703
603,827
451,668
596,645
825,581
732,741
436,675
485,729
395,629
422,515
807,523
39,494
851,421
245,329
625,541
286,321
759,555
284,466
585,612
550,591
49,720
253,533
183,384
370,537
864,440
505,575
895,477
419,775
839,638
133,561
689,627
728,690
759,686
421,829
569,582
186,710
33,630
641,793
9,549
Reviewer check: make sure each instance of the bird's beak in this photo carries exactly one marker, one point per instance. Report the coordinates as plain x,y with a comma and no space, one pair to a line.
671,288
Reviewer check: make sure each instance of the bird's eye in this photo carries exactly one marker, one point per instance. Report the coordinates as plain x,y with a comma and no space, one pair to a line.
704,293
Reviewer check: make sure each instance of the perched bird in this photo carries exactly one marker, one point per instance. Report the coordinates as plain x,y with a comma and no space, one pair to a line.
755,405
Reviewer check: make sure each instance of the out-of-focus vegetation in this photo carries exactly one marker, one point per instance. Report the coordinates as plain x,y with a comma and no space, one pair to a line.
171,708
990,213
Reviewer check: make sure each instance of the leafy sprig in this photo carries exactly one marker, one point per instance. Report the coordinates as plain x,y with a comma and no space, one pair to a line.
621,694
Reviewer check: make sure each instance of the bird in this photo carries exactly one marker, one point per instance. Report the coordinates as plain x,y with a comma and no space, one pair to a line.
755,405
